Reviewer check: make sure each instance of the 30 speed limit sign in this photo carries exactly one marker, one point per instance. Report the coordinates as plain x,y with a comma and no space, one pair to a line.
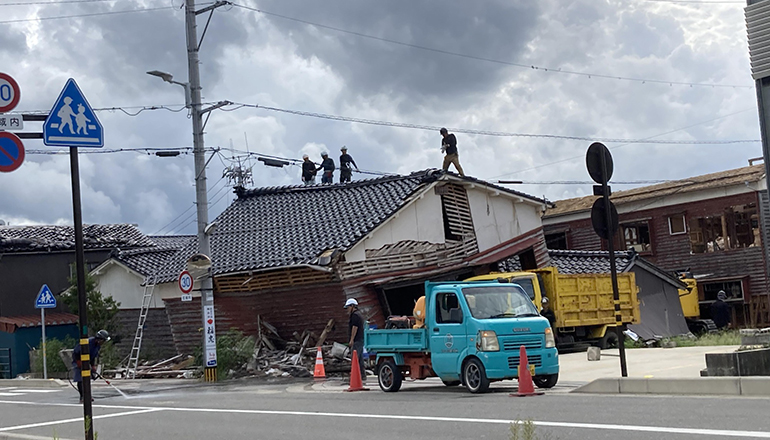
185,282
10,93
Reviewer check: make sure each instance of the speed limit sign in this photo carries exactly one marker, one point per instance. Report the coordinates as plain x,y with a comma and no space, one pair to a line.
10,93
185,282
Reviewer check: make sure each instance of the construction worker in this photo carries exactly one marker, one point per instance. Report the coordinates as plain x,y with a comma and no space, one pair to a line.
346,172
356,328
547,313
328,168
449,146
308,170
94,346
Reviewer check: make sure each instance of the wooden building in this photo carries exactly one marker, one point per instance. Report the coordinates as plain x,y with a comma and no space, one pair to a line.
715,225
293,255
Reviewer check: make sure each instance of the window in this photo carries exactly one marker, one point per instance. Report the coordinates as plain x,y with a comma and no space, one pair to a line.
737,227
556,241
636,236
676,224
733,289
448,309
504,301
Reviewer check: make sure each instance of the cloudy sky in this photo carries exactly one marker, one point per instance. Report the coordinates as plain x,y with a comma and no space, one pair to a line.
358,58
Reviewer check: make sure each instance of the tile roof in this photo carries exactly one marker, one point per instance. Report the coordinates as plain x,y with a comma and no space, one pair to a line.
707,181
9,324
62,238
147,261
292,225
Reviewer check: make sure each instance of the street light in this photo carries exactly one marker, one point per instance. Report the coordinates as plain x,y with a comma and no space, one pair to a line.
169,78
193,102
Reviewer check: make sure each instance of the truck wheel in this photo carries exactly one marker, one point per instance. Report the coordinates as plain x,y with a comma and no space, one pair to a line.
475,377
451,383
609,340
547,381
389,376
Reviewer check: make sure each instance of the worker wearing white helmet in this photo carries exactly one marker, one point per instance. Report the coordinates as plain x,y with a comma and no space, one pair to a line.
308,170
356,328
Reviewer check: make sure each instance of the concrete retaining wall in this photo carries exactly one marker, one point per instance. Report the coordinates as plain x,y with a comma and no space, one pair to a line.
723,386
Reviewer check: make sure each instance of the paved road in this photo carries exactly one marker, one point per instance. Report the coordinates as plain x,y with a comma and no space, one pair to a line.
426,410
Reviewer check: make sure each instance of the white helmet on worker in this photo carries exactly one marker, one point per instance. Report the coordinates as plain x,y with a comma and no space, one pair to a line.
305,156
545,300
351,302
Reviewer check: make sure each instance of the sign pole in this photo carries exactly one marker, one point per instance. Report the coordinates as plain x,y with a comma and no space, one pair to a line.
613,268
45,364
85,350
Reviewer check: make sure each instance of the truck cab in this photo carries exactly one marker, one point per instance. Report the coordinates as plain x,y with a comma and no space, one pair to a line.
472,335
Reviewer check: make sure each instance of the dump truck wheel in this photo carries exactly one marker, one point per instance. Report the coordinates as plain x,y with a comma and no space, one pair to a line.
389,376
609,340
546,381
451,383
475,377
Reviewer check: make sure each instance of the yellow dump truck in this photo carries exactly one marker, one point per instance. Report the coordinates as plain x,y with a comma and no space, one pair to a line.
583,304
691,308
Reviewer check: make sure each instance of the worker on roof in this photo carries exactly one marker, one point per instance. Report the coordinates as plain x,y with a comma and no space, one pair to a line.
356,329
94,347
449,146
346,171
328,166
308,170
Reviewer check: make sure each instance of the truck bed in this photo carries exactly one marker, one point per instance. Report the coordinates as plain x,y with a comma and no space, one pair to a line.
396,340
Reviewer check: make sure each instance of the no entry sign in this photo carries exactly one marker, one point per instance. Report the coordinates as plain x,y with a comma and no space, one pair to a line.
11,152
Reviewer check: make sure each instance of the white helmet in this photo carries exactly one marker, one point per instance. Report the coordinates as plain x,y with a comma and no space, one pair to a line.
350,302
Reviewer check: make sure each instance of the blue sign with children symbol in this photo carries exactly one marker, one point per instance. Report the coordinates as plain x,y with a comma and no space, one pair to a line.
72,122
45,299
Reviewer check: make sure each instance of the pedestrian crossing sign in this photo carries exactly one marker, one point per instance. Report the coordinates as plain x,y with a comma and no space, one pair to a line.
71,121
45,299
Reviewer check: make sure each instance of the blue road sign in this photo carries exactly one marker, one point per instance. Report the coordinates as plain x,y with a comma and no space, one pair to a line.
45,299
72,122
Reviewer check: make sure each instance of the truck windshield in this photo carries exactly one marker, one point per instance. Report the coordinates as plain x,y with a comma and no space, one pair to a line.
527,285
504,301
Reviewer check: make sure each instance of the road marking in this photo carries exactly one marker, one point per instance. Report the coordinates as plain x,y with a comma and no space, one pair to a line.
13,391
597,426
78,419
11,394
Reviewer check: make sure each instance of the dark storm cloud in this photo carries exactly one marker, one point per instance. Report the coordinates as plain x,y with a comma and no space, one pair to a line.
491,29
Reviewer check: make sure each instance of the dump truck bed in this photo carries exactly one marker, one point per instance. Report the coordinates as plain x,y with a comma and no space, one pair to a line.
396,340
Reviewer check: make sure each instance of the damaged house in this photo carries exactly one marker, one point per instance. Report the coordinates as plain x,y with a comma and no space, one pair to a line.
714,225
293,255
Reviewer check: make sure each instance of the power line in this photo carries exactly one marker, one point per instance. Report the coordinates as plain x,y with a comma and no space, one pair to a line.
492,60
697,1
622,145
495,133
56,2
22,20
116,150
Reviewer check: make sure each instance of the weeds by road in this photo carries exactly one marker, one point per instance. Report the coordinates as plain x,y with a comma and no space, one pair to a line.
728,337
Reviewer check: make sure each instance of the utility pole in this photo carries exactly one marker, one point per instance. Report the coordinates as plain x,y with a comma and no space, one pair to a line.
201,199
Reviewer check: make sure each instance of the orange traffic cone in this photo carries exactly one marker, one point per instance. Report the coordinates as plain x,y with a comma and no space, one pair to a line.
319,372
356,384
526,385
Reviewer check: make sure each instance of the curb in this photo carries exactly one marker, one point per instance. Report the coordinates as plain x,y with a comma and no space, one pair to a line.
33,383
712,386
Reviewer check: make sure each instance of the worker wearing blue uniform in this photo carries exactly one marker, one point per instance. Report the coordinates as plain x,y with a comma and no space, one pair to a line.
94,346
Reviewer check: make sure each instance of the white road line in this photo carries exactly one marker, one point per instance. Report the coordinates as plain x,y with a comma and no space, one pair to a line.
35,391
78,419
11,394
598,426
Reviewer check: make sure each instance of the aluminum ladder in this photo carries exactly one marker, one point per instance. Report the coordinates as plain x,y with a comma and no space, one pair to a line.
133,358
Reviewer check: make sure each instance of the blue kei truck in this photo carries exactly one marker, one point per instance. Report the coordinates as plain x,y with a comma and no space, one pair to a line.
467,333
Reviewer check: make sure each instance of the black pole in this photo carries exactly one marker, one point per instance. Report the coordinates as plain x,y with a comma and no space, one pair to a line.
613,269
85,350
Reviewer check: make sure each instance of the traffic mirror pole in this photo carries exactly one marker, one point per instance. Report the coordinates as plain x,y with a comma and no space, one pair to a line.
85,349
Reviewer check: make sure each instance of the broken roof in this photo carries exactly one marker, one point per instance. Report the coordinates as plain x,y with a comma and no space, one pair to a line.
721,179
9,324
293,225
62,238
